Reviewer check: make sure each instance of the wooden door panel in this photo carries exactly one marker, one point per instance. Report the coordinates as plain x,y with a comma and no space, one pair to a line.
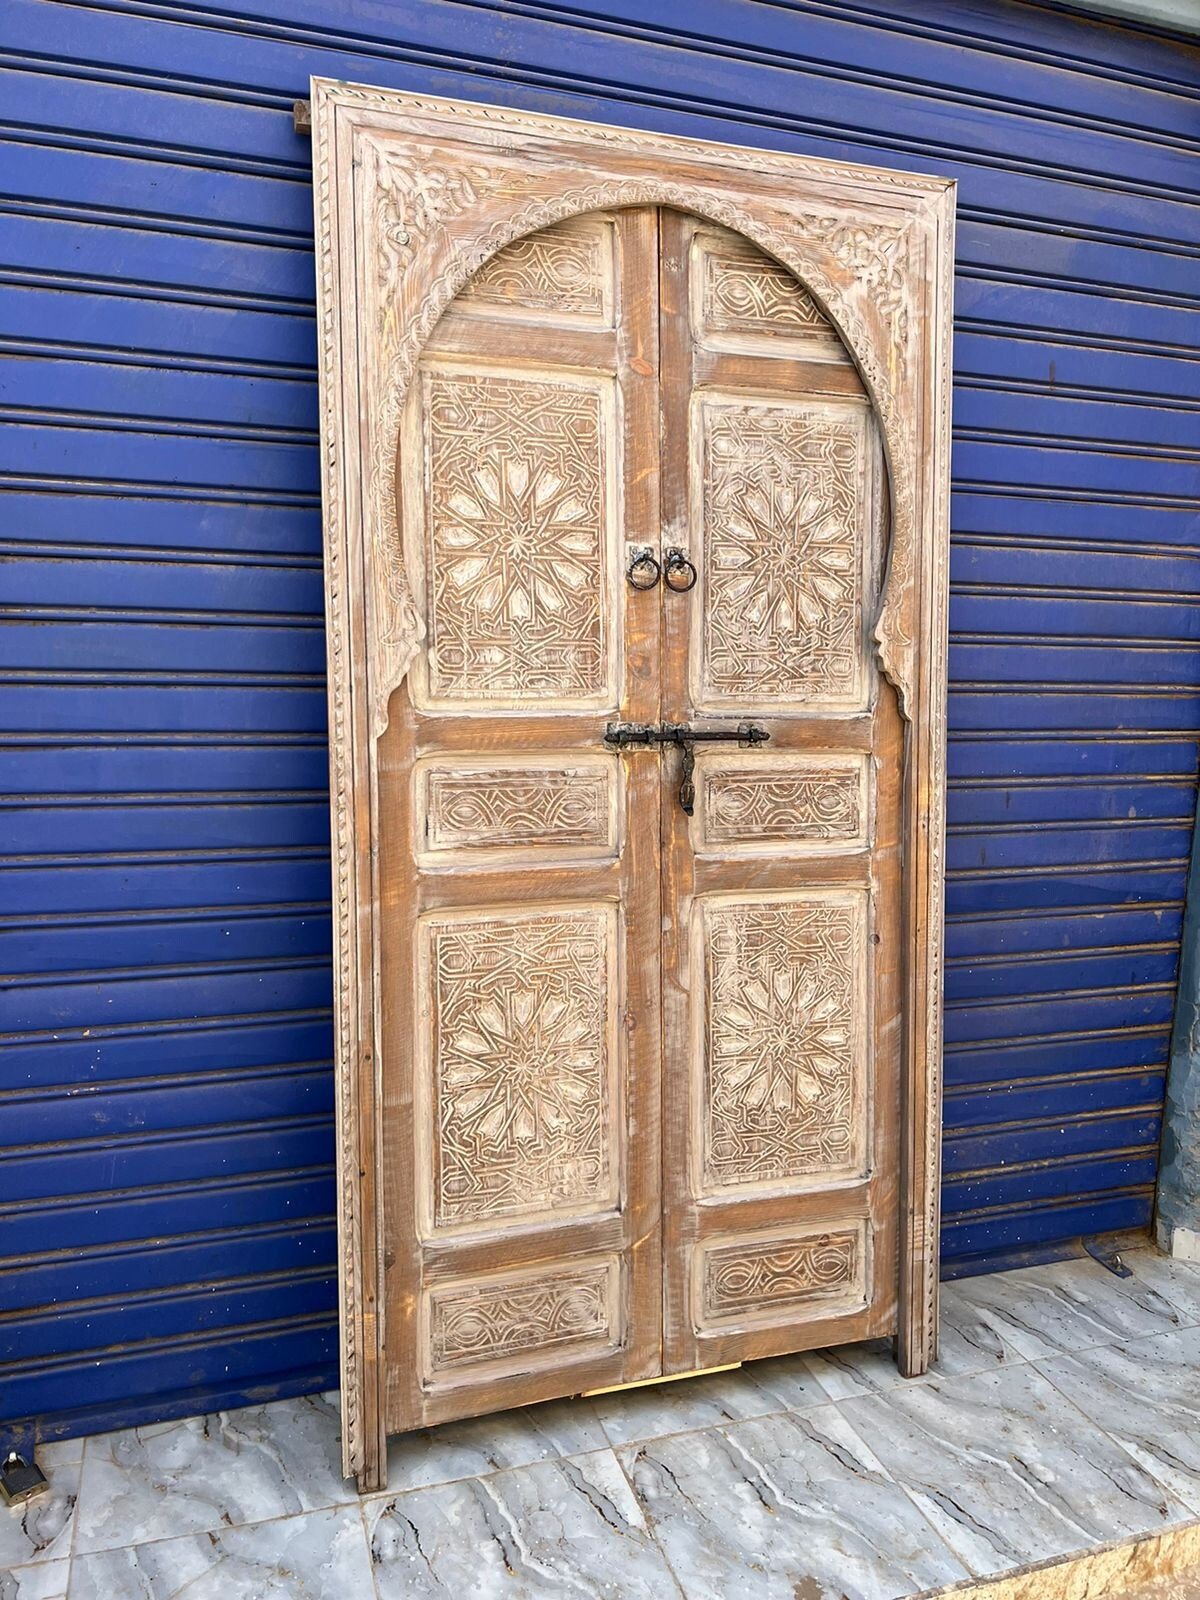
771,806
743,301
520,560
780,1275
783,497
781,1159
517,809
517,1064
779,1039
520,946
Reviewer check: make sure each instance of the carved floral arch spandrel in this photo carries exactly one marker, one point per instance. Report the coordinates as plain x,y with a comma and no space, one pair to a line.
413,196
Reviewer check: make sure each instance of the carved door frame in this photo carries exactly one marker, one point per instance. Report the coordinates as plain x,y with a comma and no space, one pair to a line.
412,196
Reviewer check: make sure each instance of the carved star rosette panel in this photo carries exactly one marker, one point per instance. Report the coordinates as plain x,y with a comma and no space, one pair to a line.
782,1091
783,511
520,506
519,1090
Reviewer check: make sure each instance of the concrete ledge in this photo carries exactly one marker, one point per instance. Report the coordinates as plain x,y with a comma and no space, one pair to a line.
1117,1572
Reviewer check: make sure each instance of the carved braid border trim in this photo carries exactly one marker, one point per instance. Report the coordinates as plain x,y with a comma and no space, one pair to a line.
862,241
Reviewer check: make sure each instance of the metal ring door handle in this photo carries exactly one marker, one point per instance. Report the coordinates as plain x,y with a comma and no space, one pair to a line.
678,572
643,571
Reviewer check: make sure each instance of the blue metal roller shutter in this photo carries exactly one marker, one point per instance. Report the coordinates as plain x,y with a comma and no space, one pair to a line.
166,1146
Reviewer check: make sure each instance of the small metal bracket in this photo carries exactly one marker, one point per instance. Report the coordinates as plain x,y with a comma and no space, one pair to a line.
1108,1258
21,1480
302,117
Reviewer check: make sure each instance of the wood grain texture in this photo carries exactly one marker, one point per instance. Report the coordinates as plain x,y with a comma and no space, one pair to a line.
518,897
780,964
451,428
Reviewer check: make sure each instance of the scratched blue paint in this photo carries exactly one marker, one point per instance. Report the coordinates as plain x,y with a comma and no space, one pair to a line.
166,1150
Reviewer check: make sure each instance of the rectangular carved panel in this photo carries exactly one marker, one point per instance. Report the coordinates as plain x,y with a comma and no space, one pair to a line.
550,1313
795,804
563,274
520,503
741,298
784,497
537,808
782,1065
775,1277
521,1101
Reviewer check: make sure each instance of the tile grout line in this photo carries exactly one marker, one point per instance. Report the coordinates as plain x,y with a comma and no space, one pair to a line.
368,1546
723,1422
224,1527
649,1521
1124,1449
908,1494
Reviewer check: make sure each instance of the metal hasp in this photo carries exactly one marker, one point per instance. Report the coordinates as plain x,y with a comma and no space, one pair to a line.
623,735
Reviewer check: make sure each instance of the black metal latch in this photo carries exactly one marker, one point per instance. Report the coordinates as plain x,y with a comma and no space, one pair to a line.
624,735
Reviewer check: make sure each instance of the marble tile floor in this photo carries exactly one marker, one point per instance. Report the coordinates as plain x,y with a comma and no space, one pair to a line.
1063,1414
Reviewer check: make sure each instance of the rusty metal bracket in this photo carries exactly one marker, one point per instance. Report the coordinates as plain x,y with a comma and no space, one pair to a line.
1108,1258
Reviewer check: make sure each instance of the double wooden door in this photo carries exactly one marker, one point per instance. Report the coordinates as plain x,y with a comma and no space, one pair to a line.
639,803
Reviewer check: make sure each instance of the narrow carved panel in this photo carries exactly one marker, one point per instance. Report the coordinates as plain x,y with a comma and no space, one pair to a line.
519,504
550,1312
537,807
782,1275
810,804
740,291
784,516
523,1104
562,274
782,1097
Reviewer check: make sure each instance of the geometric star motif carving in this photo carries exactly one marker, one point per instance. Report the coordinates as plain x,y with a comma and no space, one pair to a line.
782,1098
516,523
783,558
521,1064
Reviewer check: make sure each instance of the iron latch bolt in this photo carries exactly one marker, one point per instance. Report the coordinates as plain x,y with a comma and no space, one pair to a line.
626,735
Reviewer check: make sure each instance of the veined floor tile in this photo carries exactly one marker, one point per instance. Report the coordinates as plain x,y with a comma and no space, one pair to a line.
784,1506
1008,1469
568,1527
40,1530
966,1343
755,1390
45,1580
1146,1395
318,1556
209,1472
1174,1284
486,1444
1072,1305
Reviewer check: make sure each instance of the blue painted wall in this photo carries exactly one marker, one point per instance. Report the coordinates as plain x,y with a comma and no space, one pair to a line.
166,1161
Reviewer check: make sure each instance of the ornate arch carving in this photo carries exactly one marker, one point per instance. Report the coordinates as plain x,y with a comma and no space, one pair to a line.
413,196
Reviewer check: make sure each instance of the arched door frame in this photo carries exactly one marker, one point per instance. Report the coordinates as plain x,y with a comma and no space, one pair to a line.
412,196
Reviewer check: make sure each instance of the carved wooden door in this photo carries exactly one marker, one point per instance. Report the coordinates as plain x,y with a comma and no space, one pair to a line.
538,873
520,881
781,914
636,655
